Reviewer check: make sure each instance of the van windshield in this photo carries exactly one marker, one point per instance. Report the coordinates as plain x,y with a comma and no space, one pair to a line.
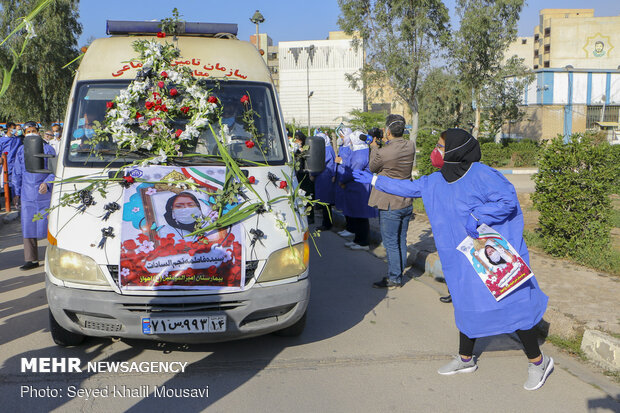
91,99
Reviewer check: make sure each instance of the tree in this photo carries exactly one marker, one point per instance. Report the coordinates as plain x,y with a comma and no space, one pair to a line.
501,99
399,37
444,101
487,29
39,87
365,120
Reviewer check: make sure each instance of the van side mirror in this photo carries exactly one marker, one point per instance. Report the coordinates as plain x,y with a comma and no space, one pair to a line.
315,157
34,155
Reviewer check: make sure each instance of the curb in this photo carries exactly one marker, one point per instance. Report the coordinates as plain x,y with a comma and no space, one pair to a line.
603,349
518,171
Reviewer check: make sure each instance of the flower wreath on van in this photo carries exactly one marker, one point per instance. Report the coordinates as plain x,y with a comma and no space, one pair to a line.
141,119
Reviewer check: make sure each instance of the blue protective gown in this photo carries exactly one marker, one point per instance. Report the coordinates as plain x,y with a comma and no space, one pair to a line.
10,145
490,197
356,194
345,154
324,185
27,187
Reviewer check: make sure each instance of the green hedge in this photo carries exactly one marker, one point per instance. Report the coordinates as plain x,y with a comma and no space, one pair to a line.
573,186
425,144
509,152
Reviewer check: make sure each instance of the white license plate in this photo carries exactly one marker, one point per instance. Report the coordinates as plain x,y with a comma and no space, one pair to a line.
183,325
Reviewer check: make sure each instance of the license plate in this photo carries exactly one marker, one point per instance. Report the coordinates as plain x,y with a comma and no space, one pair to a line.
183,325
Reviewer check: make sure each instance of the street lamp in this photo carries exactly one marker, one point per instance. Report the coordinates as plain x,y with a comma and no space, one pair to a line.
309,94
256,19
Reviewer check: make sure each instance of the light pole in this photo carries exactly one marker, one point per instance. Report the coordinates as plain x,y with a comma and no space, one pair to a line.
256,19
309,94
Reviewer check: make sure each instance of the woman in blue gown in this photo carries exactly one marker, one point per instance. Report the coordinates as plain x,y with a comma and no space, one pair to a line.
461,196
34,189
324,183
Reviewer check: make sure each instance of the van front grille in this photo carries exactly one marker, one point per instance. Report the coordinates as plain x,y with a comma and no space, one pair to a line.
182,307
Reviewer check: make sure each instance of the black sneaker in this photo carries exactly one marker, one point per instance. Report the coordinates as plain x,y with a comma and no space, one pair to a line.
29,265
446,299
386,283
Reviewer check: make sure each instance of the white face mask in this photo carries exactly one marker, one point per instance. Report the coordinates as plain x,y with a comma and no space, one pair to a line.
295,147
495,257
184,215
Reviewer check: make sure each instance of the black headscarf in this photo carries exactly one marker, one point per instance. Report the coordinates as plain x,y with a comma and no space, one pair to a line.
461,151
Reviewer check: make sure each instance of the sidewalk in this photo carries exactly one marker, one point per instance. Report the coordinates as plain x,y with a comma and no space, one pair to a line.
581,300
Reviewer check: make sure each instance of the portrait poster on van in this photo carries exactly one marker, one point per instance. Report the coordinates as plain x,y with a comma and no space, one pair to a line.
496,262
158,251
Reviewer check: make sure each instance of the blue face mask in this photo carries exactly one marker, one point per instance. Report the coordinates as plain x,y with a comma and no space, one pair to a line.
78,133
89,133
20,132
228,121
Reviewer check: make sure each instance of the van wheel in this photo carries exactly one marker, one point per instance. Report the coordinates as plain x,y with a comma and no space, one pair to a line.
293,330
61,336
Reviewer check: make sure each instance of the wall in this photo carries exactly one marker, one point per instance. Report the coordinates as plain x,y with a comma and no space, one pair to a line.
332,98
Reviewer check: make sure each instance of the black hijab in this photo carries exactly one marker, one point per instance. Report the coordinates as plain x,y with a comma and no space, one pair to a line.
461,151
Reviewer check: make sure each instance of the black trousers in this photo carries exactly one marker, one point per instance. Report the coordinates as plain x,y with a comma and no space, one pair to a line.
361,228
529,339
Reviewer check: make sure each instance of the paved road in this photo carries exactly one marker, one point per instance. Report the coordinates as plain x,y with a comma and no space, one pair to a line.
364,350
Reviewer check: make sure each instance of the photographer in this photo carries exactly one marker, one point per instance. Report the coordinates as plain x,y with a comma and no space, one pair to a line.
395,160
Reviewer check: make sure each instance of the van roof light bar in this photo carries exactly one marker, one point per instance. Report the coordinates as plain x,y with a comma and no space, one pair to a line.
153,27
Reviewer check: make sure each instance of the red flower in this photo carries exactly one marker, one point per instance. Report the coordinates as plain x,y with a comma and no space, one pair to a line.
185,109
109,105
160,84
164,108
164,74
161,35
212,99
138,115
130,244
153,120
252,180
178,132
245,99
157,107
156,95
283,184
174,92
129,179
249,144
149,105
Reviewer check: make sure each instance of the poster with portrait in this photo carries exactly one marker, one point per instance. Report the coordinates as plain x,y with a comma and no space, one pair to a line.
158,248
496,262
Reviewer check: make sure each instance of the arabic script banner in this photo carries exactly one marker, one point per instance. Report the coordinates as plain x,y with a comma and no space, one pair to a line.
157,248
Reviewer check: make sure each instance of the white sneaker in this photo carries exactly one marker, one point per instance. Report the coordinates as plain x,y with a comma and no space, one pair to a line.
458,366
348,244
344,233
358,247
536,375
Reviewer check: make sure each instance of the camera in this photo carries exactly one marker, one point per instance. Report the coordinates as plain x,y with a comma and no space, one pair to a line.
376,133
373,133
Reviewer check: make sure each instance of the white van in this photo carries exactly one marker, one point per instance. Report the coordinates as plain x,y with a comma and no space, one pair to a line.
86,291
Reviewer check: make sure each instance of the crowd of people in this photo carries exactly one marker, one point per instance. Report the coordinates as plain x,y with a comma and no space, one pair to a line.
372,175
28,192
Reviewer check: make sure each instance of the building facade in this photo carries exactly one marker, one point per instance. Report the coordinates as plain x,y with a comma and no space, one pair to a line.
269,52
312,79
576,61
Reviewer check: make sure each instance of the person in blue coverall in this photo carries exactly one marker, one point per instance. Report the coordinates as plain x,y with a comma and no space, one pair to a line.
324,183
344,153
34,189
356,194
461,196
9,144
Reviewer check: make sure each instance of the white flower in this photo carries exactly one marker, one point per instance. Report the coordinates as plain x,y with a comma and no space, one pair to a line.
135,210
147,246
151,191
29,29
228,256
125,272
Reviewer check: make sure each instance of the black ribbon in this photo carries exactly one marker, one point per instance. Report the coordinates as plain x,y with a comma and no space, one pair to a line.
87,199
257,234
110,208
106,233
273,178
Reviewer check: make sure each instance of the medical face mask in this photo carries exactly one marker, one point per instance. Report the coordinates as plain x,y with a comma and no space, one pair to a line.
339,141
20,132
89,133
56,135
184,215
495,257
436,158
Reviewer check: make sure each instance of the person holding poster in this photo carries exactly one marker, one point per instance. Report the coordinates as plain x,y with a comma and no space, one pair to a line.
460,197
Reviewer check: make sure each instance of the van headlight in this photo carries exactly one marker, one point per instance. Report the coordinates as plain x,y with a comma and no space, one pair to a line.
71,266
285,263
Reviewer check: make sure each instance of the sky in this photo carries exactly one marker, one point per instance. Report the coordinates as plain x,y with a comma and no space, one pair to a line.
284,20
